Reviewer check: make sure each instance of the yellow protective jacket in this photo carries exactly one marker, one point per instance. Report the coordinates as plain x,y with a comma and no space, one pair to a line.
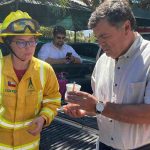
20,102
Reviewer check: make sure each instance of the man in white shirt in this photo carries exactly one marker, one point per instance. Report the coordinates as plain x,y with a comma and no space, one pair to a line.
120,81
57,52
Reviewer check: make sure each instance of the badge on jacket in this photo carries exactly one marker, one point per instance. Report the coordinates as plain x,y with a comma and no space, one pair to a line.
11,84
30,85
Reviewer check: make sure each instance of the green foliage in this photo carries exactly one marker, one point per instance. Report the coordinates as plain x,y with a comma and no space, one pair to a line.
46,32
57,10
145,4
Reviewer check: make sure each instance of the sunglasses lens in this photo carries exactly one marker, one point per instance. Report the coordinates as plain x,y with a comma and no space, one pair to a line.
58,37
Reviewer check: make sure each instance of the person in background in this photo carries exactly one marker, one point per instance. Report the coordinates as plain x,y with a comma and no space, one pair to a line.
120,81
29,91
57,52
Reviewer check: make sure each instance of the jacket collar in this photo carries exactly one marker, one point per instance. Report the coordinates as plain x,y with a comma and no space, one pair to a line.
9,71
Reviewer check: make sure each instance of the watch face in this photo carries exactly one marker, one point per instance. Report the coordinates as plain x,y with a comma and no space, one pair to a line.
100,107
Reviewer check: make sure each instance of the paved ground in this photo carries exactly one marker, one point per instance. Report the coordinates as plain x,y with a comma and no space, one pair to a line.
63,136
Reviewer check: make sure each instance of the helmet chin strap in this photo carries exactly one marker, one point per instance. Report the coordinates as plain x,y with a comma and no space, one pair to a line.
13,52
16,55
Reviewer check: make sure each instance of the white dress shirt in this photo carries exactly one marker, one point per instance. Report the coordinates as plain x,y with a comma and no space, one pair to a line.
126,81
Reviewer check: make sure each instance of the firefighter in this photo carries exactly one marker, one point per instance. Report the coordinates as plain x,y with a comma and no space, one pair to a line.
29,91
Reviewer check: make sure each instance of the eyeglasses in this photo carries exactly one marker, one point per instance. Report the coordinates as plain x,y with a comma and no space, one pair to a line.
20,26
59,37
24,44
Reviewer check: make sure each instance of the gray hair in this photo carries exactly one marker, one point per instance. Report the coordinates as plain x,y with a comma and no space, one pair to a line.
116,12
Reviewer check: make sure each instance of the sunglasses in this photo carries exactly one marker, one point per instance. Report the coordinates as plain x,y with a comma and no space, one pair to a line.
20,26
24,44
59,37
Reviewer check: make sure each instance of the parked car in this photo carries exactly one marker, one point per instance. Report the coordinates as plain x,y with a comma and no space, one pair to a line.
87,51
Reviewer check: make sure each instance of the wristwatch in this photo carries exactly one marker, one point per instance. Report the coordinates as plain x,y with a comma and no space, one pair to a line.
99,107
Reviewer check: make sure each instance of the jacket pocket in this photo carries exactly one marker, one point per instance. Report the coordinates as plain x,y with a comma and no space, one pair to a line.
31,102
9,105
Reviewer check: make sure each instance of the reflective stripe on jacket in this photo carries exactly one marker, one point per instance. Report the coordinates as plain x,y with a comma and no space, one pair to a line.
36,94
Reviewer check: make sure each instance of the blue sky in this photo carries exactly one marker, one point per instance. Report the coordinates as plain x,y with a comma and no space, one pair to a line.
86,32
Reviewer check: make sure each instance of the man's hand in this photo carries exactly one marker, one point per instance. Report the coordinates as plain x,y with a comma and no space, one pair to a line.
85,101
72,59
73,110
35,127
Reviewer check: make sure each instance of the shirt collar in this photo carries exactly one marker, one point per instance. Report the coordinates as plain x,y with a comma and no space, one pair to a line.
57,47
133,48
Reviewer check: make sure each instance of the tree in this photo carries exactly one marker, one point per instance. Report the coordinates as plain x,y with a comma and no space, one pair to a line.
145,4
